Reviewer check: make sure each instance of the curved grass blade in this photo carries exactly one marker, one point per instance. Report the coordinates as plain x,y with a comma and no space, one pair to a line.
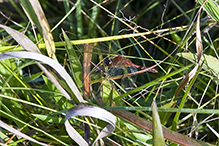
28,45
18,133
23,40
42,58
199,50
91,111
176,118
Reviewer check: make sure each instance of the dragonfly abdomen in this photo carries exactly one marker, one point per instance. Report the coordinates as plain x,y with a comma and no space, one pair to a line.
150,70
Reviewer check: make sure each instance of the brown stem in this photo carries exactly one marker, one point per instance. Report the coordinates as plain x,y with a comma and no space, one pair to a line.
168,134
86,69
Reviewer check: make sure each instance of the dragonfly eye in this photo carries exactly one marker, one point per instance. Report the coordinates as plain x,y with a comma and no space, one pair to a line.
108,61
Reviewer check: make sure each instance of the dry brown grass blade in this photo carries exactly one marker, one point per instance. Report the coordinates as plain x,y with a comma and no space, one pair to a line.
168,134
186,80
199,50
47,35
199,47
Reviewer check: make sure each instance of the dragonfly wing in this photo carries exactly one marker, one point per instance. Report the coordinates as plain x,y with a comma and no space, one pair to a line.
129,82
132,69
116,71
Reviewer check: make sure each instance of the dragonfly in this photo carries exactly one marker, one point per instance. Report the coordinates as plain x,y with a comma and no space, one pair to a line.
120,61
123,70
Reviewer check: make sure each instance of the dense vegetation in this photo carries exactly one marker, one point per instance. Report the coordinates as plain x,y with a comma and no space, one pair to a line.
37,93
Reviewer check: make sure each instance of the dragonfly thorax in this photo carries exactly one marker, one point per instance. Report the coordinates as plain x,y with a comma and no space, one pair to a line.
117,61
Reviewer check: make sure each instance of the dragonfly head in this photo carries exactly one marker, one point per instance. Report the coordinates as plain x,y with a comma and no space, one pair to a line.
108,62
